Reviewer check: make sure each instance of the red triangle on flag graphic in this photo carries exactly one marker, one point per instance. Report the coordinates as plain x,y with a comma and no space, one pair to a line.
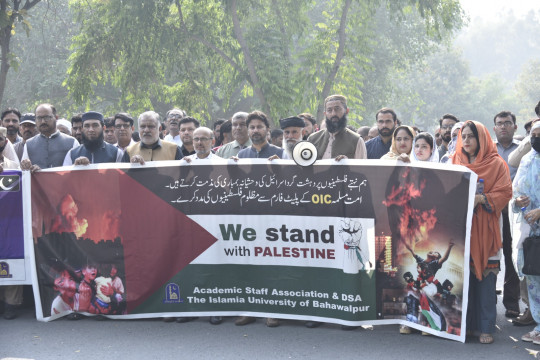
159,240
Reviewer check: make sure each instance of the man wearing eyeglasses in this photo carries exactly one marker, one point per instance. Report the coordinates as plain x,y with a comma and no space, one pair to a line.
94,148
446,124
49,148
505,126
173,125
203,141
123,129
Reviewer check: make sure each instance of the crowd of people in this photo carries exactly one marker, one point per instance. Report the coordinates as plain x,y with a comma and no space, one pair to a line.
39,140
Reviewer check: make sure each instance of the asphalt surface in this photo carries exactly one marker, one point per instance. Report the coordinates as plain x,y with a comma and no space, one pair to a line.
26,338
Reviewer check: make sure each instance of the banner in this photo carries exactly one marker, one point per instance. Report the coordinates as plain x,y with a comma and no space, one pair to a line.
14,255
355,242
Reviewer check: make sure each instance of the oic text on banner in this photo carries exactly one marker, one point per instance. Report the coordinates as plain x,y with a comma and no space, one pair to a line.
356,243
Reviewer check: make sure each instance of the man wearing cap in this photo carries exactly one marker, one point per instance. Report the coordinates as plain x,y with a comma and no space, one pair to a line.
63,126
336,141
10,120
151,147
292,134
94,150
28,130
49,148
240,136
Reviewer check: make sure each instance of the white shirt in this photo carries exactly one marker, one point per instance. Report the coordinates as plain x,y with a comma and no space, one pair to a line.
211,156
175,139
59,305
121,148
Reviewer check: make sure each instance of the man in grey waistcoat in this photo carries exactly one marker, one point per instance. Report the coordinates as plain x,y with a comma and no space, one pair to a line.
49,148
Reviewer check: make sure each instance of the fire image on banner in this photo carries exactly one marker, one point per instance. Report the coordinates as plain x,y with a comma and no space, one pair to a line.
355,243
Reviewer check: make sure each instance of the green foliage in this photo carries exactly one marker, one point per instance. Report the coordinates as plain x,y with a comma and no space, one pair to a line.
40,57
528,89
187,53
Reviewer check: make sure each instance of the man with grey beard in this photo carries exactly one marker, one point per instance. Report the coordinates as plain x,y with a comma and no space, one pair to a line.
336,141
292,134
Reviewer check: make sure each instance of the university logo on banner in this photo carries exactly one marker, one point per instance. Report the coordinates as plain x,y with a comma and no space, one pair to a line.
358,243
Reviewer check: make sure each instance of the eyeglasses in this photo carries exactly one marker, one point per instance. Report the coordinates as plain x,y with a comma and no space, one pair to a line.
504,124
122,126
201,139
44,118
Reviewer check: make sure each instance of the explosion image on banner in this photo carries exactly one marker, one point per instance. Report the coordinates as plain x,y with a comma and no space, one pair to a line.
422,276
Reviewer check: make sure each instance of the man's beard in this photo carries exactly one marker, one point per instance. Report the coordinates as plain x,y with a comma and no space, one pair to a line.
288,147
386,132
92,145
12,130
334,127
447,137
258,139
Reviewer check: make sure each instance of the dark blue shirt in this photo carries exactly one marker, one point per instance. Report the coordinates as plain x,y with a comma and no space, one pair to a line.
376,148
266,151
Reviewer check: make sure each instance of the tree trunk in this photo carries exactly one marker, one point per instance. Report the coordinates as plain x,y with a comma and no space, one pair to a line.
249,61
329,82
5,39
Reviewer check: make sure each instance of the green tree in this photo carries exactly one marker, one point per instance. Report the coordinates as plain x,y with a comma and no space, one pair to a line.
215,56
11,13
528,89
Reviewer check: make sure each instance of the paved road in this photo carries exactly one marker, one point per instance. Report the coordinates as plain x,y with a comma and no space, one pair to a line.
153,339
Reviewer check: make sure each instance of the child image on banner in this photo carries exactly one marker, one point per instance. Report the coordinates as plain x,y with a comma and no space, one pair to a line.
76,245
98,292
68,298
